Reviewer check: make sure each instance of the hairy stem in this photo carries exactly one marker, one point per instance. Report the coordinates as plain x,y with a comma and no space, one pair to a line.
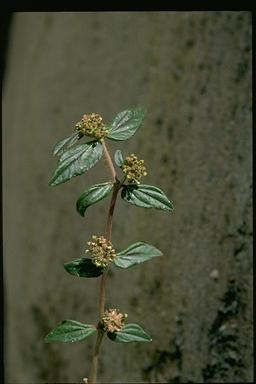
93,371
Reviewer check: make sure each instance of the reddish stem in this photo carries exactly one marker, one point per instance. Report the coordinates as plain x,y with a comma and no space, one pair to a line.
94,366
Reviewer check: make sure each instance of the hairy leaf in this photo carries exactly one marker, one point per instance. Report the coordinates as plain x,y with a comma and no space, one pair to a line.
76,161
146,196
125,124
66,143
130,333
92,195
83,267
69,331
119,158
135,254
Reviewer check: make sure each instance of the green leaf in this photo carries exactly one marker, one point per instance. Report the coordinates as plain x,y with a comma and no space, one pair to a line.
130,333
119,158
135,254
92,195
69,331
125,124
62,145
76,161
83,267
146,196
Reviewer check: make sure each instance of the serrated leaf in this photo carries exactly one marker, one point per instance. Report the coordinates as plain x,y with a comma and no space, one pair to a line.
130,333
125,124
92,195
135,254
66,143
70,331
76,161
83,267
146,196
119,160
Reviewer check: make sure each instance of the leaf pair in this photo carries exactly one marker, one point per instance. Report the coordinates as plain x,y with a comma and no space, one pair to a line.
75,161
71,330
145,196
135,254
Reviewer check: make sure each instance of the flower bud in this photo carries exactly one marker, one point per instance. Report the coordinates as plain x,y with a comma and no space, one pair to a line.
133,169
101,250
113,320
92,126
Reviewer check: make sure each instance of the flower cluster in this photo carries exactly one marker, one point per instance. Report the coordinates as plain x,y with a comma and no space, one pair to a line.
92,125
134,169
101,250
113,320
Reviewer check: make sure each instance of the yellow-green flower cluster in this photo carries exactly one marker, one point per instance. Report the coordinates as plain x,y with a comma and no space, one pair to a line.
134,169
101,250
92,125
113,320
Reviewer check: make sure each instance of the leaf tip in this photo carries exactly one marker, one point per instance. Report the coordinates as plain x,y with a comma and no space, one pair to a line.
142,109
68,268
169,207
47,338
79,210
53,182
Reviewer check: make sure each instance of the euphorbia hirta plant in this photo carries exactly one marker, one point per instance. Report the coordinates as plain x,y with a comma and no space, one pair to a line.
100,254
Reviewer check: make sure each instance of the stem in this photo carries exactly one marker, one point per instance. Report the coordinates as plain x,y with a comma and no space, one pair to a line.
108,237
102,294
94,366
111,211
109,161
117,185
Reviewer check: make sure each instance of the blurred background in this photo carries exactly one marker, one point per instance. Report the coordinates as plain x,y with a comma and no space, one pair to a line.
192,71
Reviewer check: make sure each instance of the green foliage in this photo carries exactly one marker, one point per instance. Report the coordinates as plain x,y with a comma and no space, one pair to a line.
119,160
125,124
130,333
83,267
135,254
76,161
146,196
70,331
66,143
92,195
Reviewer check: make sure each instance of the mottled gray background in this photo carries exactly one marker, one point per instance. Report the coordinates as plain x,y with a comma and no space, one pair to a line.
192,70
